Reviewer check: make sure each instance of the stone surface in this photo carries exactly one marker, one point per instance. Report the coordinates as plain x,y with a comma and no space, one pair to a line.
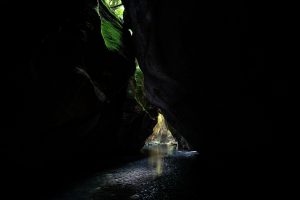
204,68
63,93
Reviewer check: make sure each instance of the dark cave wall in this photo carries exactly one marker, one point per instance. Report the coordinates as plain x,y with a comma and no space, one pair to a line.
63,94
204,66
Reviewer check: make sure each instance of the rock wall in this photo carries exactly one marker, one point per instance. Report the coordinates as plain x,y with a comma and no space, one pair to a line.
62,91
204,66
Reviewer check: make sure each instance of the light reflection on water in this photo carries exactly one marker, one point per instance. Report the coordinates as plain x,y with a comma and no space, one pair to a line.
141,179
157,155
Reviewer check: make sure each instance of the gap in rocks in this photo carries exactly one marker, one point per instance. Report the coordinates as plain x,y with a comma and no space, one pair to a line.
161,134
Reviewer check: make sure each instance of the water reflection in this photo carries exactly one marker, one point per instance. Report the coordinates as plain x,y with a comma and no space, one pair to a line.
157,154
146,178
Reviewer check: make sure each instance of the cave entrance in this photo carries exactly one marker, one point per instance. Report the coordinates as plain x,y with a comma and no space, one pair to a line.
161,134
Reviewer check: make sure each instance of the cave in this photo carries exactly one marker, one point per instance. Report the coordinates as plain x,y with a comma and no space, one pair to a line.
88,87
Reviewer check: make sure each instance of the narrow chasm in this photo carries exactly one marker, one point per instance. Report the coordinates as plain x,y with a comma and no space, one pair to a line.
137,99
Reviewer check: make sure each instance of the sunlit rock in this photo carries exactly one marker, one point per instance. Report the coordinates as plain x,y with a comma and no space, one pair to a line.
161,133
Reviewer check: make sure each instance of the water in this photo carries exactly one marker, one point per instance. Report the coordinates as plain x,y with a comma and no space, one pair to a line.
158,176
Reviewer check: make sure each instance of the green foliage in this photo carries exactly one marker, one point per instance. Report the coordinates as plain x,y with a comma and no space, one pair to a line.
111,12
119,11
140,89
111,35
113,3
139,77
116,6
111,27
